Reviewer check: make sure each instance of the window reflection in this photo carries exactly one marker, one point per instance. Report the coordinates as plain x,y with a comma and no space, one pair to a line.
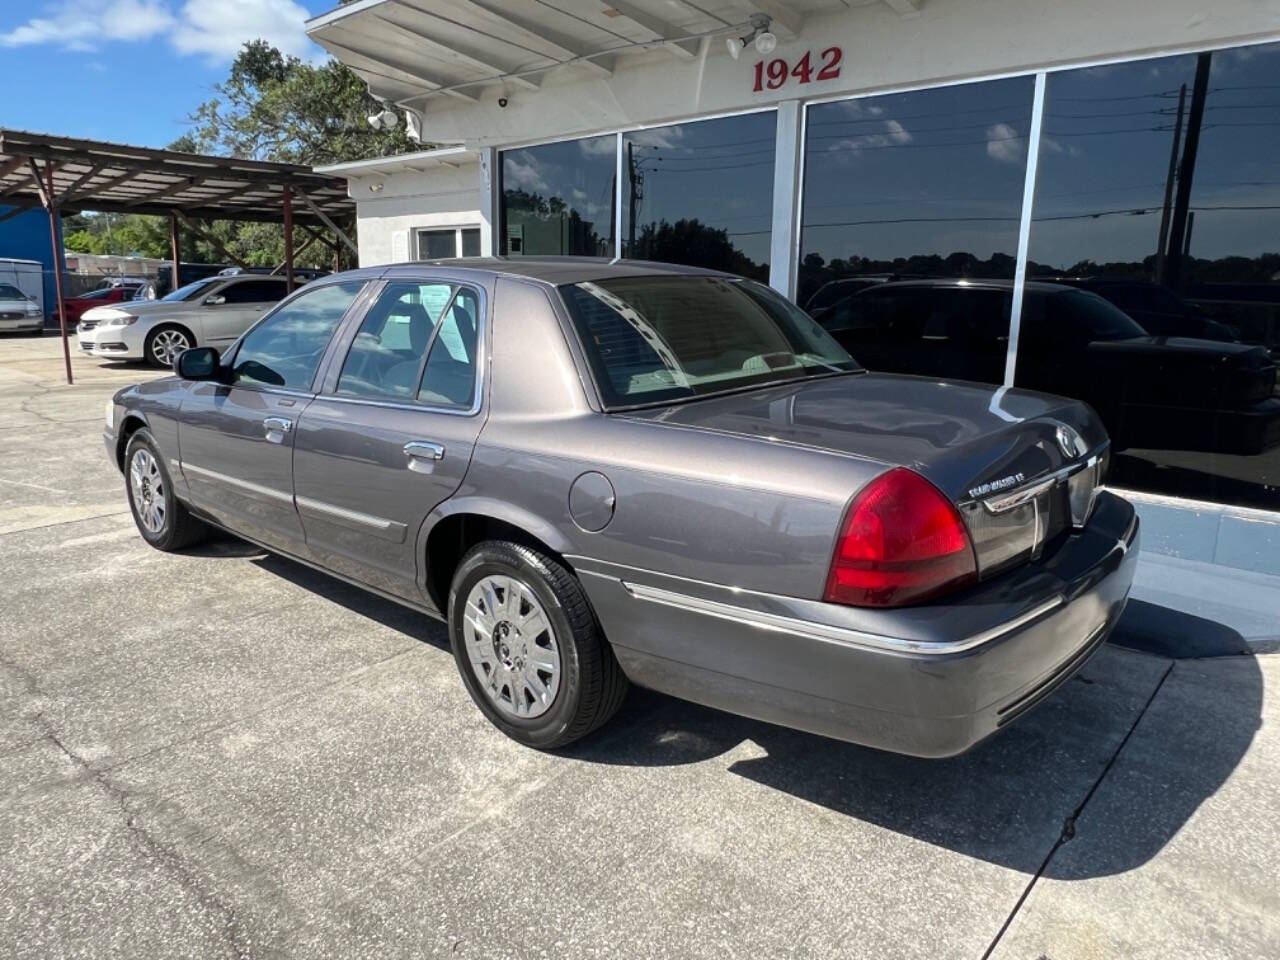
701,193
557,199
1158,195
907,189
285,349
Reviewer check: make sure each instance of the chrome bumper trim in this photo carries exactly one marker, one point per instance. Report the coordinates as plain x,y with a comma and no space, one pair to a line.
832,634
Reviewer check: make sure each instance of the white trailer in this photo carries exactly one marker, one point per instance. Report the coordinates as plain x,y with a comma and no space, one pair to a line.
26,275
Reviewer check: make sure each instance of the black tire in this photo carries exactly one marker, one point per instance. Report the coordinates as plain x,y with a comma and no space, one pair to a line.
592,685
148,345
38,333
179,527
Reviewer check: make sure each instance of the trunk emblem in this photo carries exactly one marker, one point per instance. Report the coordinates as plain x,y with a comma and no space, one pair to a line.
1070,442
995,486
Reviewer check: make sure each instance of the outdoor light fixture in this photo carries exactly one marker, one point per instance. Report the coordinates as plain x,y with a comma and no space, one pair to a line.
764,40
386,117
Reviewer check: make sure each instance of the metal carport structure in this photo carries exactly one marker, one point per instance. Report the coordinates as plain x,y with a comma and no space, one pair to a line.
67,175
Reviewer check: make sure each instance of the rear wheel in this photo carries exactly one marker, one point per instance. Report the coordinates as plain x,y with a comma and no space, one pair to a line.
163,520
529,648
163,345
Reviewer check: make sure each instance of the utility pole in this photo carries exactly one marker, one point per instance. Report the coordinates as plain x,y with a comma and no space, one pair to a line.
1178,243
1162,242
635,193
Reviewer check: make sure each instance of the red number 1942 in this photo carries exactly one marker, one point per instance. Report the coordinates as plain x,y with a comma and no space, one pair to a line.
775,73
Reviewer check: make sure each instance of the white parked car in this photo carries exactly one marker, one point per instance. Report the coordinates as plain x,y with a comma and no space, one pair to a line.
210,312
18,311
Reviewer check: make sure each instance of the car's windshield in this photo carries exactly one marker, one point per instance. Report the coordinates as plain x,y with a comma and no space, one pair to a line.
1105,320
652,339
98,294
192,290
9,292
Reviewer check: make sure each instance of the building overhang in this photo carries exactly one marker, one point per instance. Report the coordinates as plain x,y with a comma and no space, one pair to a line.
420,162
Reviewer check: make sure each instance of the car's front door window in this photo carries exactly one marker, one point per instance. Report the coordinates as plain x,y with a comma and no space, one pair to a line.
285,349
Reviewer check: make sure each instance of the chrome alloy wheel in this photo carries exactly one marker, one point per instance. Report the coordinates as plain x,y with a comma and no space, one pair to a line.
147,484
167,344
511,646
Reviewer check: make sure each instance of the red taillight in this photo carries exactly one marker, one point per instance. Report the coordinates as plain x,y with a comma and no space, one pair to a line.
902,542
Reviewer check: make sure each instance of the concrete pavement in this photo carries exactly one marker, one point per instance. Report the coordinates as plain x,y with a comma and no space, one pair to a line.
224,753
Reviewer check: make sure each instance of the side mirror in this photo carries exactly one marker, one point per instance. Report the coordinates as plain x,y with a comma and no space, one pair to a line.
215,300
198,363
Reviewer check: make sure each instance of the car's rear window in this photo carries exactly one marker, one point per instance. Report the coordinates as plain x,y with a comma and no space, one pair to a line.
652,339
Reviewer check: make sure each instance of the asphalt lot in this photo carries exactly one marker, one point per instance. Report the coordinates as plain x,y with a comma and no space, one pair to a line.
226,754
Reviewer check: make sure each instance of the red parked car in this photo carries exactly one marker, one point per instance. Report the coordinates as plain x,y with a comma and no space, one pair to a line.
76,306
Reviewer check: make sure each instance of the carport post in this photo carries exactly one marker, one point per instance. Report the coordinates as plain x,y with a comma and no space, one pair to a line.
175,250
288,239
51,204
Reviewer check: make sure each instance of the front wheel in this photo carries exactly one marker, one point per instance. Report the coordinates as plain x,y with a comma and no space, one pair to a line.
164,344
163,520
528,646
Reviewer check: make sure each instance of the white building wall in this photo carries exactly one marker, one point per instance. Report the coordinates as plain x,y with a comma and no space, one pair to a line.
390,207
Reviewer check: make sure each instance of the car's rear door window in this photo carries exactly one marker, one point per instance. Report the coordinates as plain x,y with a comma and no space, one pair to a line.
386,357
285,349
449,379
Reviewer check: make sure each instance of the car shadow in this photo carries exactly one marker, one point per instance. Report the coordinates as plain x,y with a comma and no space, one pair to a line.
979,804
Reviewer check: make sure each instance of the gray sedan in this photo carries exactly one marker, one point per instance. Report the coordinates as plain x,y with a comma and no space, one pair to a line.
600,473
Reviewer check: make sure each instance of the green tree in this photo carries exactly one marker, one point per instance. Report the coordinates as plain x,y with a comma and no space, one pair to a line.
280,108
277,107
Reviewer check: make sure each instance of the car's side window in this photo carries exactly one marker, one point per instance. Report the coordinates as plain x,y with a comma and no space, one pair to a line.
385,360
449,379
285,349
254,291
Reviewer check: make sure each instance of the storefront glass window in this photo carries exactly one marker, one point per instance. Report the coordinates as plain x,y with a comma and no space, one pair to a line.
557,199
701,193
909,230
1158,200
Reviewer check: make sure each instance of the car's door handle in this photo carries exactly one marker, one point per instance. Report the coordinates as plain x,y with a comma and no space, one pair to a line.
424,450
423,455
277,428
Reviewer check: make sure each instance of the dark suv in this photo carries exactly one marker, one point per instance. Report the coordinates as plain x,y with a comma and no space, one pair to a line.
1158,392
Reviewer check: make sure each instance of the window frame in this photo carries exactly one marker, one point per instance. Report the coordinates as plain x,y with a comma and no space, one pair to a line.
457,229
344,337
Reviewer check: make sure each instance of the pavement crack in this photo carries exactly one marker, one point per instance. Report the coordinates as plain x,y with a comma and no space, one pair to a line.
150,846
1069,824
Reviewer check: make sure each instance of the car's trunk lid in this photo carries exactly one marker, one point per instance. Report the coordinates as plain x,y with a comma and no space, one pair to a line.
980,445
968,439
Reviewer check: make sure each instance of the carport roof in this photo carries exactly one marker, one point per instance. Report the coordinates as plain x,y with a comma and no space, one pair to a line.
118,178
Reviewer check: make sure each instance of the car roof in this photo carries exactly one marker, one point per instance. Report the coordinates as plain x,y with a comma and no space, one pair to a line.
553,270
969,283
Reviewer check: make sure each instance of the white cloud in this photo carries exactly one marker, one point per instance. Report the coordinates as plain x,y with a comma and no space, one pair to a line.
81,24
895,134
522,170
664,138
1004,145
219,28
215,29
598,146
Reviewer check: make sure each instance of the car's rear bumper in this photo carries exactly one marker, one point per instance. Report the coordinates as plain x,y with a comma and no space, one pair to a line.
929,681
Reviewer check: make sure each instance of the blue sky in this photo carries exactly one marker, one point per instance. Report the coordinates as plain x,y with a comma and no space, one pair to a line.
130,70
